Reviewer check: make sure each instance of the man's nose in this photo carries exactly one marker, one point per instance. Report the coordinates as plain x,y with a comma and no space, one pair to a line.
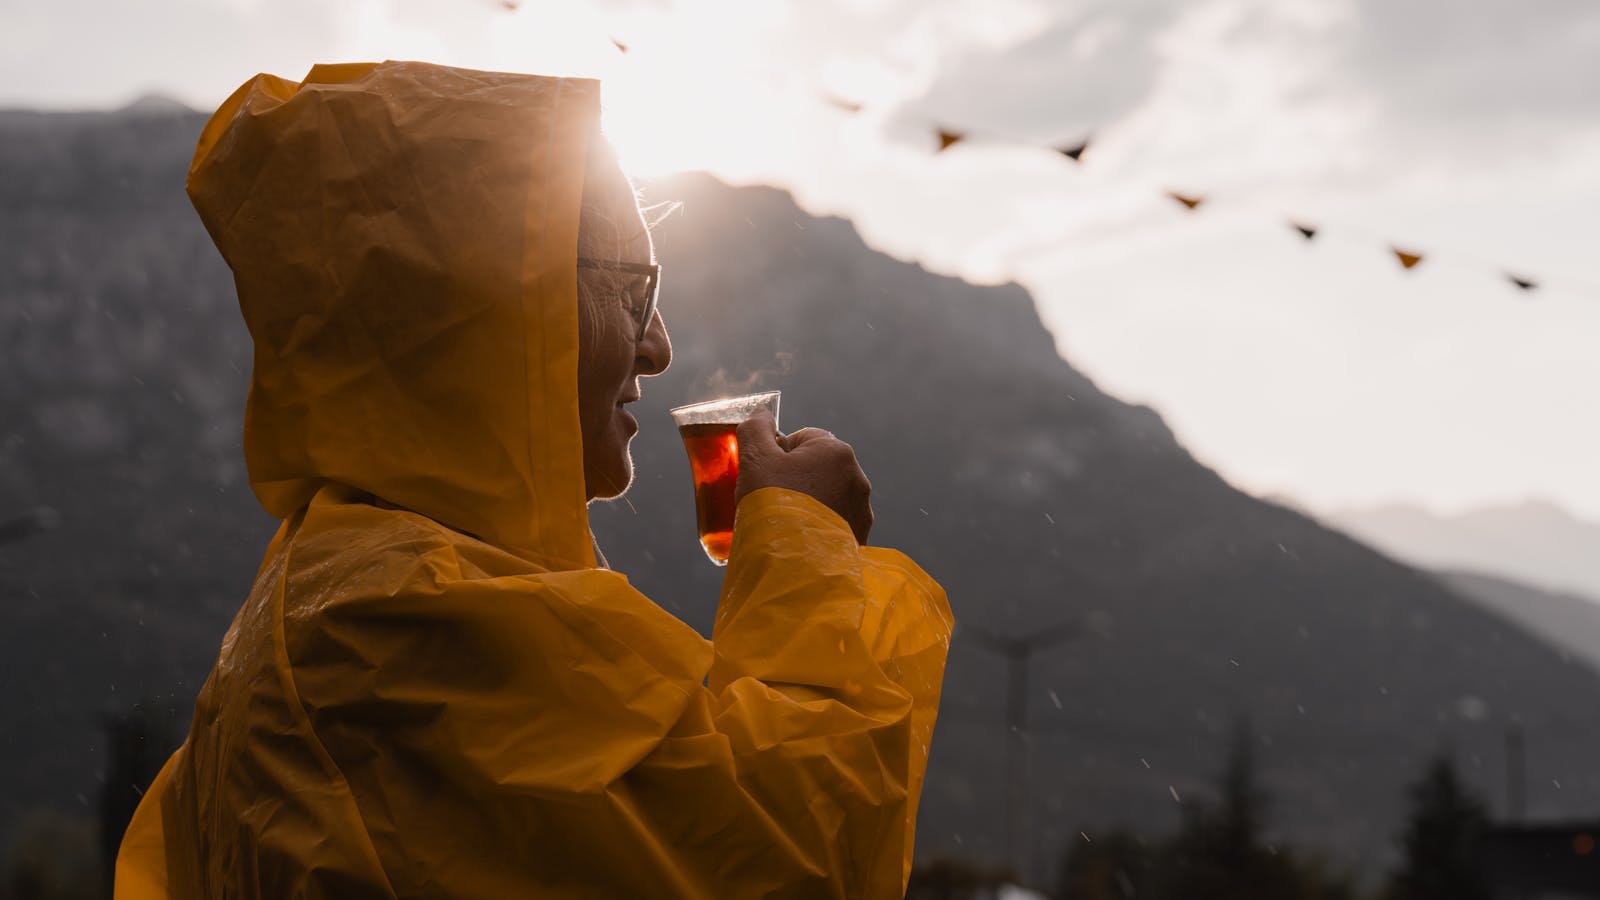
654,353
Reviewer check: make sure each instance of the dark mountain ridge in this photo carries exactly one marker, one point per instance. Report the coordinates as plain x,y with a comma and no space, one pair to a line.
1032,496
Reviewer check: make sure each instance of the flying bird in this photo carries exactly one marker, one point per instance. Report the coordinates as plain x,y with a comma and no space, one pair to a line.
621,47
1407,260
1306,231
1189,202
1525,284
1074,152
946,138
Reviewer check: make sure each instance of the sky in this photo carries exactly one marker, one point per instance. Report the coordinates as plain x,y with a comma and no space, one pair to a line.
1466,130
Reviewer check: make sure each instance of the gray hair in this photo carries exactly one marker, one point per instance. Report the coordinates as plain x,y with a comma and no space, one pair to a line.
610,204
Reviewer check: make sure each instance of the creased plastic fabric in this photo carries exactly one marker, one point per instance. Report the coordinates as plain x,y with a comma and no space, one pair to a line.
431,691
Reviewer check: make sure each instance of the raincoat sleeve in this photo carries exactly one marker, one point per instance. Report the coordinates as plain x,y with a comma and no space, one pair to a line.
561,732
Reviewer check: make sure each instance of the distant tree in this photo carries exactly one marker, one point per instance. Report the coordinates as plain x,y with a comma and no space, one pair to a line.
138,742
1219,853
51,858
1220,850
1242,812
1441,840
1114,865
955,879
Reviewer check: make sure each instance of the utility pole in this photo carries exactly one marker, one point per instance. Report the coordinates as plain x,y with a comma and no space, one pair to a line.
1516,776
1017,651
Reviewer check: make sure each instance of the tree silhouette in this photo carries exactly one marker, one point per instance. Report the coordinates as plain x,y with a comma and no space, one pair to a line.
1114,865
51,857
946,878
1242,815
1220,851
1441,840
139,742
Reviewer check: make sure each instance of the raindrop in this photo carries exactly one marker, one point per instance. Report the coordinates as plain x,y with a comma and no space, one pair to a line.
1472,708
1174,792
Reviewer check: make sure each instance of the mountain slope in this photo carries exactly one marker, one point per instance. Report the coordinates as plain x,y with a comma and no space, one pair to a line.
1535,542
1035,498
1567,621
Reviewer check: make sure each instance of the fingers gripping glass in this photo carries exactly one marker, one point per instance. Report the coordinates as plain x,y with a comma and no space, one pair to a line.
652,287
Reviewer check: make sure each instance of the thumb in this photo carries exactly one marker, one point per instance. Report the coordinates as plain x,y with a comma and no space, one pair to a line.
758,435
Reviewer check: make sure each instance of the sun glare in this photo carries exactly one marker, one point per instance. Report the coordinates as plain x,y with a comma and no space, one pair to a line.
683,100
678,88
677,123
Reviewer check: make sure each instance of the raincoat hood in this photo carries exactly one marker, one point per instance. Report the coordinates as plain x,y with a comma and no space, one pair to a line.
403,238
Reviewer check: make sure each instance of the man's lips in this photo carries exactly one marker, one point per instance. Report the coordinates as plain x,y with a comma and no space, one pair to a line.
633,423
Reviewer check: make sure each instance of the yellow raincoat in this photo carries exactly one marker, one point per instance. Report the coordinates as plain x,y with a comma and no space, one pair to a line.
432,691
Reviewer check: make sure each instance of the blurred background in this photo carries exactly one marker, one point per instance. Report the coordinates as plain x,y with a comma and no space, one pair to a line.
1229,361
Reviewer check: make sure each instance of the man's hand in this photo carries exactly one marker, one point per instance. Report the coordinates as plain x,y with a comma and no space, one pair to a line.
811,461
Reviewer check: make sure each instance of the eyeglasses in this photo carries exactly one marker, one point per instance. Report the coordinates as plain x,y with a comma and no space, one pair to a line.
652,287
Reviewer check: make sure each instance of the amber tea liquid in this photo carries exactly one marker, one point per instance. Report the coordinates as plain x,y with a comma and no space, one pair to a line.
710,436
714,461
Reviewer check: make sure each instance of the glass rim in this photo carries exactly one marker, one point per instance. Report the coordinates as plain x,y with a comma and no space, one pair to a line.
754,399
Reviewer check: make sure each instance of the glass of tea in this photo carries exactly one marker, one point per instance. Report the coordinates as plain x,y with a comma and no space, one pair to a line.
709,432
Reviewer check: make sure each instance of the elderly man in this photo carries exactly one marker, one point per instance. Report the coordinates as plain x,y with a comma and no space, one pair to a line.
433,690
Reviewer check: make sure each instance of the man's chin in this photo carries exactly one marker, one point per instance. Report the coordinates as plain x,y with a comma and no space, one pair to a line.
614,482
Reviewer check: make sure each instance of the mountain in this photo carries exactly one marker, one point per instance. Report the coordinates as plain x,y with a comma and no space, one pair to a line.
1034,497
157,104
1534,542
1567,621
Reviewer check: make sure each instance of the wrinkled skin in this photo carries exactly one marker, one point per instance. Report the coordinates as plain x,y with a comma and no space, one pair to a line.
610,362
